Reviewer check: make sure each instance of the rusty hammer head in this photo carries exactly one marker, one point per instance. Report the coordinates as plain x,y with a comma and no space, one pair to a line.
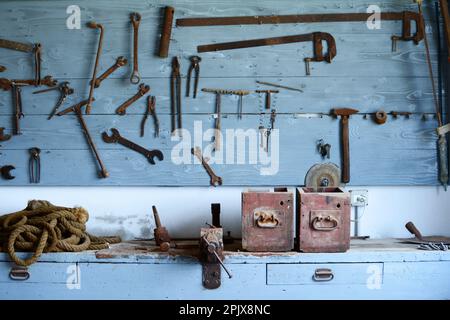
344,112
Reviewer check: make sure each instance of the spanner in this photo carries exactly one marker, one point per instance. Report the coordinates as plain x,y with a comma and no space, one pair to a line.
94,25
2,68
117,138
135,19
6,84
120,62
143,89
215,180
64,90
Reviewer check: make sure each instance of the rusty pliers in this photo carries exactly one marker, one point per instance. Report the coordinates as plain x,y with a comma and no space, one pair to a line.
151,110
195,65
175,90
35,165
64,90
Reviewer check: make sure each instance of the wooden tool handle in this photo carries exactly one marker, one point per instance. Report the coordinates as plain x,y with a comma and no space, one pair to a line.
166,32
412,228
345,151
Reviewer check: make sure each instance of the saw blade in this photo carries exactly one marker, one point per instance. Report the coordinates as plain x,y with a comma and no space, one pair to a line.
323,175
18,46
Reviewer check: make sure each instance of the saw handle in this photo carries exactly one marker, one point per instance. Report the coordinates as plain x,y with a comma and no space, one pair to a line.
412,228
319,56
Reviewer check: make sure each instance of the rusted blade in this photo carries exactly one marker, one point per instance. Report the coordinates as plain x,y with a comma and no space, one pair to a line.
425,240
18,46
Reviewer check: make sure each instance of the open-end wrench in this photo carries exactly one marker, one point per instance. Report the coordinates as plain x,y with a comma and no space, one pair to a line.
77,110
135,19
122,109
5,171
117,138
48,81
94,25
4,137
64,90
120,62
2,68
215,180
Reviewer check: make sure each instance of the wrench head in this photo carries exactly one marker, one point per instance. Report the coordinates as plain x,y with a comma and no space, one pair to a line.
6,172
216,181
114,138
135,17
155,153
121,61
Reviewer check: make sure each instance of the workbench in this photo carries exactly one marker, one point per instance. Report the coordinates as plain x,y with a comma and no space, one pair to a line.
371,269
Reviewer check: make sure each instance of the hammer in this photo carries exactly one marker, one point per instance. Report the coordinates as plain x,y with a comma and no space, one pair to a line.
345,114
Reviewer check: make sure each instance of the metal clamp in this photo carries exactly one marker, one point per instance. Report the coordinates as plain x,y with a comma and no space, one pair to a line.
323,275
316,226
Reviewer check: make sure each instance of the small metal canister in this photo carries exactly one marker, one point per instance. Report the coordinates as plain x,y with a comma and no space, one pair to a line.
267,221
323,220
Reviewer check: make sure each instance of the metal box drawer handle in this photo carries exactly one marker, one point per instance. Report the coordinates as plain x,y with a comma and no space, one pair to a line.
322,275
19,274
267,221
316,225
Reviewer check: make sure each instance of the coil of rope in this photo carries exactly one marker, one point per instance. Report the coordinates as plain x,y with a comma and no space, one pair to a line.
42,227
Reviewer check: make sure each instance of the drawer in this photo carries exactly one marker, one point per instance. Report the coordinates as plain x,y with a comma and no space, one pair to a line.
43,272
324,274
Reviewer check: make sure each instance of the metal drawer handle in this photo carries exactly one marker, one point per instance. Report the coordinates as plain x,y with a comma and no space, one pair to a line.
267,221
19,273
318,227
321,275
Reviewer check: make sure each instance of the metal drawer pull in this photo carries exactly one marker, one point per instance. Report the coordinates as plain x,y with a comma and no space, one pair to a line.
268,221
316,225
19,273
322,275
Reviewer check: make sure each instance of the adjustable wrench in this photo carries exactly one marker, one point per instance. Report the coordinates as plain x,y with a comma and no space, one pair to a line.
94,25
48,81
215,180
117,138
122,109
120,62
135,19
65,91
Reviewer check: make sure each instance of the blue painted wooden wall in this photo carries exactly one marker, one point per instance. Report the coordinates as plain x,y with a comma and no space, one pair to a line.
365,75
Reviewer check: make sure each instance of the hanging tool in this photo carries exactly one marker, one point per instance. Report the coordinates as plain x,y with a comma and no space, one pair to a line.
380,117
151,110
239,93
2,69
323,175
316,38
345,114
407,17
143,90
26,47
6,172
135,19
278,86
77,110
195,65
175,92
18,109
215,179
162,238
3,136
324,149
166,32
117,138
35,165
94,25
64,90
419,239
268,94
48,81
395,114
441,130
273,115
120,62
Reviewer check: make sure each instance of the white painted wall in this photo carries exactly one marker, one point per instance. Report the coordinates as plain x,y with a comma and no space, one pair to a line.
127,210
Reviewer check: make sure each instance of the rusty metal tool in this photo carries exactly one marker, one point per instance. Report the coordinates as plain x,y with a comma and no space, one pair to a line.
166,32
94,25
6,172
143,90
419,239
380,117
239,93
77,110
273,115
30,48
2,68
3,136
195,65
117,138
395,114
18,110
64,90
120,62
324,149
268,94
162,237
48,81
275,85
34,165
151,110
446,17
215,180
407,17
175,94
345,114
316,38
135,19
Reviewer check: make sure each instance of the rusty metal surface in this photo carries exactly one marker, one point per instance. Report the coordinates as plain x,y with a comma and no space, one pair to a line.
166,32
267,221
323,220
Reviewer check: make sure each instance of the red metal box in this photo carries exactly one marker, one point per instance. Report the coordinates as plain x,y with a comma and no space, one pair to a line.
267,221
323,220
